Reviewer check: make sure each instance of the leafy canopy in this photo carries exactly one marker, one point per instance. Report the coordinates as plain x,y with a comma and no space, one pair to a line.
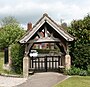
9,21
80,49
10,32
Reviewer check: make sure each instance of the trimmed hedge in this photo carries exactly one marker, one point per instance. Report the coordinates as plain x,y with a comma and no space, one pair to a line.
17,54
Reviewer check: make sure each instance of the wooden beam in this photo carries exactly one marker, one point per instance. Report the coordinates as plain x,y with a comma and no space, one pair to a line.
51,34
61,47
45,31
67,48
26,50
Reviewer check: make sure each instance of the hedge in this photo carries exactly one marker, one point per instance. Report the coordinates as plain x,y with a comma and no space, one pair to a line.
17,54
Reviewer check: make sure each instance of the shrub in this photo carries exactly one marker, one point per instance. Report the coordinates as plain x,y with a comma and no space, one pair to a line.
77,71
83,73
80,48
88,70
73,71
17,54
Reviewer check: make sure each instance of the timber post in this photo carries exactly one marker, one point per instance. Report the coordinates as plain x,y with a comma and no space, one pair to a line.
67,62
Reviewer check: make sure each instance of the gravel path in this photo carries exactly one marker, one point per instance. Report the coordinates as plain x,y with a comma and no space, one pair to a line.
11,81
47,79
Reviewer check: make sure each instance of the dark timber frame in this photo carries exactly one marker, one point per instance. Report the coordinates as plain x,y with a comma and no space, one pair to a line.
55,34
45,63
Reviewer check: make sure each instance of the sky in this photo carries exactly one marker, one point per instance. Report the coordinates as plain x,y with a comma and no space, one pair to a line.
32,10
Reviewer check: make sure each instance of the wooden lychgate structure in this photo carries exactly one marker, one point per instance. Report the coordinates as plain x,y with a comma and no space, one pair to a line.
46,31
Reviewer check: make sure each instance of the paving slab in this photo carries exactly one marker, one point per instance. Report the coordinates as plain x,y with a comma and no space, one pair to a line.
47,79
11,81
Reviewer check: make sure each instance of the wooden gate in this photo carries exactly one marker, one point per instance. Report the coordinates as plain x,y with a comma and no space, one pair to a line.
45,63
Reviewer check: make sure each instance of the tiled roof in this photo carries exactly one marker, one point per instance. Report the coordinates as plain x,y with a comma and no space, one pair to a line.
54,25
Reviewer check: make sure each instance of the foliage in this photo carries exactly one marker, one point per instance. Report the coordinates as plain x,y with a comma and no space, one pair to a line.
1,61
76,71
80,49
73,71
88,70
9,21
1,54
10,32
75,81
17,54
83,73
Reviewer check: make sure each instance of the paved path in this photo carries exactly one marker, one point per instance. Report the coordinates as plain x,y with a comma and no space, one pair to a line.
11,81
47,79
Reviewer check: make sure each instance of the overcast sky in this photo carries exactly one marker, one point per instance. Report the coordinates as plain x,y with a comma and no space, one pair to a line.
31,10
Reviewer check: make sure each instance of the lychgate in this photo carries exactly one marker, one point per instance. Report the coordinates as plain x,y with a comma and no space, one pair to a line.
46,33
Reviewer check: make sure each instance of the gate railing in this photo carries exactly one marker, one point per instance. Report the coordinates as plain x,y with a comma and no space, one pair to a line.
45,63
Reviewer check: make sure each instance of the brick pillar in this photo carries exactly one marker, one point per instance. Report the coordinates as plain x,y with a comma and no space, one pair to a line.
67,62
25,66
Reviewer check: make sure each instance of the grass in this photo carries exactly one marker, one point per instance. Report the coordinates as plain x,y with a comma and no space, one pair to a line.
1,65
1,61
75,81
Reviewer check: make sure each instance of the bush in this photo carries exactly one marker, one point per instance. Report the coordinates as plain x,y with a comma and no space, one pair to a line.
80,48
77,71
83,73
17,54
73,71
88,71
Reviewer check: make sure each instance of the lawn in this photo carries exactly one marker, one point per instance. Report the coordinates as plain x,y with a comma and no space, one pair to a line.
1,61
75,81
1,65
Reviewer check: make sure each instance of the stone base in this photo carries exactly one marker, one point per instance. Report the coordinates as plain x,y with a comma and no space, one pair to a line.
67,62
6,67
25,67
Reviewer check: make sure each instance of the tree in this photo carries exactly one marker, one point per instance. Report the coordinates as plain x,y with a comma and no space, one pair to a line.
10,32
80,49
9,21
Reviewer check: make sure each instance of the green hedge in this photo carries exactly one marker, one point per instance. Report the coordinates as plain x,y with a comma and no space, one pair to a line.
77,71
73,71
17,54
